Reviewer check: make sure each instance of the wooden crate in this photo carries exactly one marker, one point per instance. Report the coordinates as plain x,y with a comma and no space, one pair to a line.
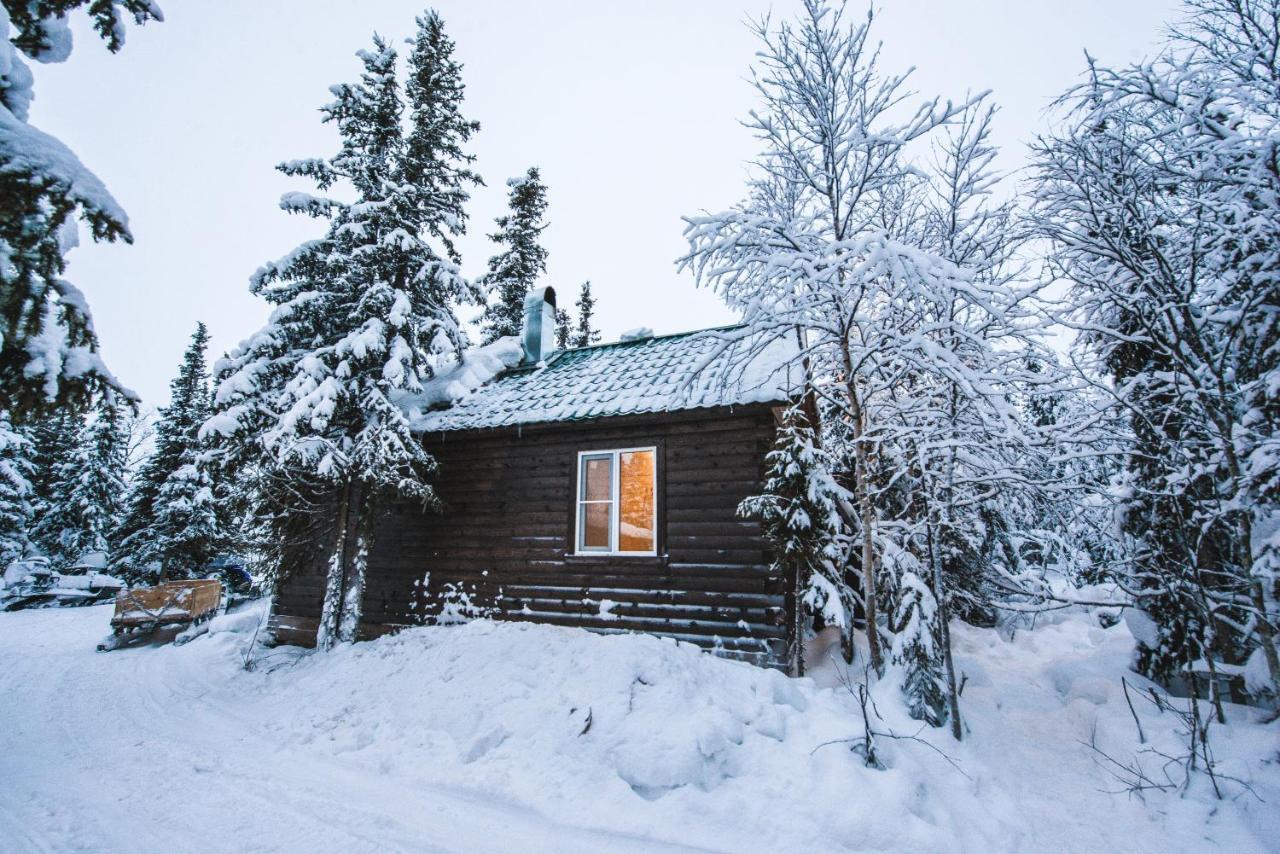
169,603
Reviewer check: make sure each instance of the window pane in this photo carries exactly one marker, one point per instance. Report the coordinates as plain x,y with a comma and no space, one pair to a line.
636,492
596,475
593,525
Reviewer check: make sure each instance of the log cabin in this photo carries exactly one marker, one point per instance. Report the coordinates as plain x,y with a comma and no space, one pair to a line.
594,487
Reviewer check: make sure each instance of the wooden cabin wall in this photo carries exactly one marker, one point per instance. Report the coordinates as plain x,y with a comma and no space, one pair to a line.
295,609
502,547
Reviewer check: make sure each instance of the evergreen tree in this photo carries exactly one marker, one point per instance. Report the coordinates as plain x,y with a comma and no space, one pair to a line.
306,406
799,512
48,349
187,532
54,440
175,442
435,167
94,486
916,647
564,328
41,25
15,491
585,335
513,271
56,522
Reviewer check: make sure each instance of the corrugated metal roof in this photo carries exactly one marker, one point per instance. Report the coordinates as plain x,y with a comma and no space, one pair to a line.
691,370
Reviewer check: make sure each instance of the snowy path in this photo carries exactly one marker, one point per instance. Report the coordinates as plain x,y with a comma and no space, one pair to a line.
134,751
517,737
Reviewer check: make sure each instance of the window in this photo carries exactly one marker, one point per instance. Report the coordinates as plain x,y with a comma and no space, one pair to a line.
617,502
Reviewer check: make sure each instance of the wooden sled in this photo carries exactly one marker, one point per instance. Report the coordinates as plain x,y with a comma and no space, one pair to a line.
173,603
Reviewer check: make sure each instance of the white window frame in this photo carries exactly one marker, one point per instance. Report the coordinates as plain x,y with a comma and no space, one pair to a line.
615,503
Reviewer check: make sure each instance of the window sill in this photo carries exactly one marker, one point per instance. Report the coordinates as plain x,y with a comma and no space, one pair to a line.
615,557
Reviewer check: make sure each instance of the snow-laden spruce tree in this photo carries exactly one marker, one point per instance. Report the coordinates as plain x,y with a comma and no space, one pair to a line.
564,328
1159,196
48,349
799,513
917,642
55,522
816,254
15,492
141,545
307,404
584,335
92,486
188,530
513,271
54,440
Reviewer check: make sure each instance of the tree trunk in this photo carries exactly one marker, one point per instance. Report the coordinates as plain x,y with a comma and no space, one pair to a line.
362,502
944,631
331,612
869,574
795,643
863,486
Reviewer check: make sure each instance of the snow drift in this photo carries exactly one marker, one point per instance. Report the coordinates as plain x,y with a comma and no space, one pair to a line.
504,736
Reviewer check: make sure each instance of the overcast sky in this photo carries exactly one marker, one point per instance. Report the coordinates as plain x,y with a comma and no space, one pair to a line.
631,111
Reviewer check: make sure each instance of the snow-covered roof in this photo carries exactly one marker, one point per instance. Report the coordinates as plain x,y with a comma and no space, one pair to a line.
689,370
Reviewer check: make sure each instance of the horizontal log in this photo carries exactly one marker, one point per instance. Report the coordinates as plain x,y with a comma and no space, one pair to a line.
651,625
623,609
403,588
402,595
644,574
730,598
763,651
694,530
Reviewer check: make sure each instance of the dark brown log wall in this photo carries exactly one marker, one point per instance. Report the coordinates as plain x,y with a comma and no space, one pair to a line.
502,545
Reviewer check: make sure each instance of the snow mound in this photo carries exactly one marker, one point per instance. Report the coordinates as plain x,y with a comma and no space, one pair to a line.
453,383
243,621
654,738
622,711
640,333
516,736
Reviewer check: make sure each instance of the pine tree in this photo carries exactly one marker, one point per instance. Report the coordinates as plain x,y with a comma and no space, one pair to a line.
56,523
513,271
564,328
175,441
434,164
187,532
54,440
48,349
916,648
15,491
308,403
41,25
799,512
585,335
93,486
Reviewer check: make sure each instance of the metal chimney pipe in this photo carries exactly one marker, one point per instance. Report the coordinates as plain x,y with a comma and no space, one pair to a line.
539,334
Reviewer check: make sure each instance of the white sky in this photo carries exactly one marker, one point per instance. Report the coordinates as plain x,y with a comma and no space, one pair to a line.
631,111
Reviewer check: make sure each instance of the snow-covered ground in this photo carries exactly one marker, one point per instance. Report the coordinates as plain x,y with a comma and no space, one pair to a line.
506,737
